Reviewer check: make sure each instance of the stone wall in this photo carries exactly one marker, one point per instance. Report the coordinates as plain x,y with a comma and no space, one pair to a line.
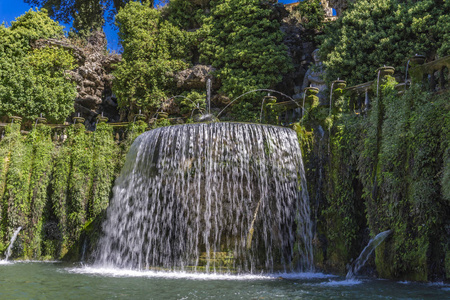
92,76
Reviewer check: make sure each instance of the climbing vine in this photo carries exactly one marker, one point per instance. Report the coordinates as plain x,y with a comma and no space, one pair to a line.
80,179
41,166
103,169
385,170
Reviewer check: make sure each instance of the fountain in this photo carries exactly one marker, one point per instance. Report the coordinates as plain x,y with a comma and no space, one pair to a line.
365,254
13,239
212,197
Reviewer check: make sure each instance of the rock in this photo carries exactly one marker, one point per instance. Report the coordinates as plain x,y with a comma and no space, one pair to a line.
170,106
195,77
92,76
220,100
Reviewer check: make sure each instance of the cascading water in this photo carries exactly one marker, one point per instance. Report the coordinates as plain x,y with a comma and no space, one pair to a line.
11,244
364,256
210,197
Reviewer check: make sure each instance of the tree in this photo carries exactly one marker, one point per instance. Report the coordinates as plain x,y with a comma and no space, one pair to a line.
244,43
153,50
33,81
87,15
312,14
373,33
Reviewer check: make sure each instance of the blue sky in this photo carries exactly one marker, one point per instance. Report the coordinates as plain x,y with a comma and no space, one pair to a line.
9,12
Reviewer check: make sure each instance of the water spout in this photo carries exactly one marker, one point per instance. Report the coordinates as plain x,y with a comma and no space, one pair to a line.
83,250
331,97
378,81
254,91
365,254
406,72
208,95
13,239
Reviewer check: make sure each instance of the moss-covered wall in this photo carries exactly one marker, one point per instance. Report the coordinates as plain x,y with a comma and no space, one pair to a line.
387,169
55,190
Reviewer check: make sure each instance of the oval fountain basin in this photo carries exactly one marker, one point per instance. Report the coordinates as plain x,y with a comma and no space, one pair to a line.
208,197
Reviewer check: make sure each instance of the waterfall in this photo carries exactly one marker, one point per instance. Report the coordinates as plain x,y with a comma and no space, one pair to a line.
13,239
213,197
364,256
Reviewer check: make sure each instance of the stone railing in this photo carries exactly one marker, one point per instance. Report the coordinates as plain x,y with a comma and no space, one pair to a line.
434,75
59,130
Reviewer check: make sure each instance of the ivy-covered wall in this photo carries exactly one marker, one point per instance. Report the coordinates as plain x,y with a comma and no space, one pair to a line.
384,169
55,190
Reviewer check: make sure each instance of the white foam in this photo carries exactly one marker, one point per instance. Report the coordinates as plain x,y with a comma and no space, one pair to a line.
5,262
347,282
306,275
29,261
438,283
404,282
113,272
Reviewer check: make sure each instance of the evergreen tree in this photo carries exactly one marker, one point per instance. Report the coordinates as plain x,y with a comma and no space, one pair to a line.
244,42
87,15
33,81
373,33
153,50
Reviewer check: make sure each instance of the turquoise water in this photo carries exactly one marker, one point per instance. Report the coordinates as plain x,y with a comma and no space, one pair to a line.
36,280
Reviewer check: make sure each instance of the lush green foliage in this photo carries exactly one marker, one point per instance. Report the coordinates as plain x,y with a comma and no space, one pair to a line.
312,14
373,33
41,168
86,15
103,171
79,180
34,81
16,204
54,190
245,45
153,50
394,161
186,14
242,40
59,190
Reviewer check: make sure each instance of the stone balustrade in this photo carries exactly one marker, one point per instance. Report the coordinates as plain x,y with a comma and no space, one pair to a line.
434,75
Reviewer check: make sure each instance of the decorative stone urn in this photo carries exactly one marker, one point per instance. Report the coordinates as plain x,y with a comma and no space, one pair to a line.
339,84
41,120
270,100
139,117
311,91
163,115
386,70
102,119
15,120
78,120
311,99
417,60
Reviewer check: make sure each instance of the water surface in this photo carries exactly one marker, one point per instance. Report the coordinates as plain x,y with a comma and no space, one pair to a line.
36,280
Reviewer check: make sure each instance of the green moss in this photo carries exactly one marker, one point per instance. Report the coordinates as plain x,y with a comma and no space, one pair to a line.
80,180
59,189
16,204
40,178
385,170
104,161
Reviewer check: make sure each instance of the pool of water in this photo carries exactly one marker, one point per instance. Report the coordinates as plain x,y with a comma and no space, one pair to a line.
37,280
